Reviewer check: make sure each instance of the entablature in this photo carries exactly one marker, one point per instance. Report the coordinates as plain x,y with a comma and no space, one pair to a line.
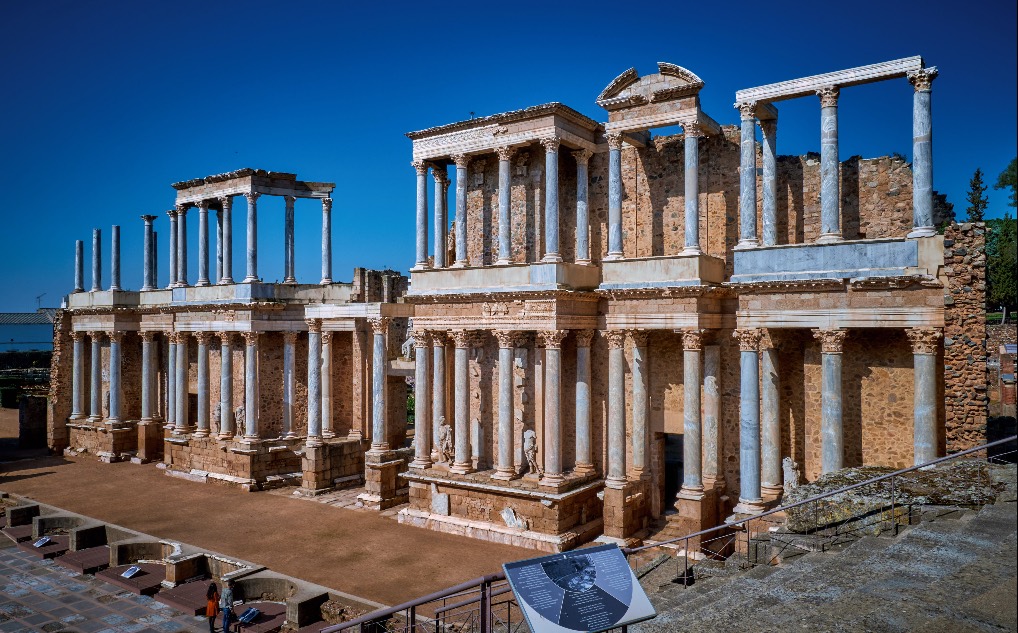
248,181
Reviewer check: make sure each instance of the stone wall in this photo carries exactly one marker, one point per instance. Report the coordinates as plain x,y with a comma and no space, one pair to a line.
234,462
965,378
60,378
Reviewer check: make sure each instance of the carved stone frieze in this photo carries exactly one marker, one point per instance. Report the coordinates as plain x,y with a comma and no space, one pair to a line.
924,340
831,341
495,309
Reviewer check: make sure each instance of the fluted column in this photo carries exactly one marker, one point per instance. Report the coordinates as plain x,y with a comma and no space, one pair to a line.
326,241
582,157
379,360
226,421
422,396
747,176
692,465
288,265
693,133
438,392
97,270
182,245
79,266
461,209
96,379
830,167
115,258
552,340
750,499
504,467
252,238
227,276
421,167
219,246
922,153
148,274
327,431
182,422
584,452
505,249
116,386
461,392
203,244
616,409
832,441
614,196
713,472
771,479
314,382
251,400
148,376
204,399
171,382
551,224
78,376
925,345
173,248
769,188
641,399
441,221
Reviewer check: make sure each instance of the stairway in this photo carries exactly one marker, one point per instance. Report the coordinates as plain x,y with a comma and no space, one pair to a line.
955,571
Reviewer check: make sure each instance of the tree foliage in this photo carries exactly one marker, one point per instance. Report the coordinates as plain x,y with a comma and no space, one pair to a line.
1002,263
1008,179
977,197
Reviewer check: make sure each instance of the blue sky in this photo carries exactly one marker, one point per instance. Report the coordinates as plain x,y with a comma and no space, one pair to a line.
104,104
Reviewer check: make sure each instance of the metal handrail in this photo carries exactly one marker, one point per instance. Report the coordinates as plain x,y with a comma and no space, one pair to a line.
630,550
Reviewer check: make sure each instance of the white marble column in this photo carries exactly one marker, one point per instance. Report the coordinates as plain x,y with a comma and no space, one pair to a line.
227,276
441,221
922,153
713,471
148,272
251,399
97,266
219,246
750,499
203,244
769,181
438,391
641,401
582,157
148,376
289,381
226,421
78,376
505,248
204,398
462,160
616,409
79,266
252,238
421,243
116,385
171,381
614,196
691,149
692,465
96,379
504,467
551,224
115,258
379,411
771,479
327,430
584,451
832,441
288,265
925,345
747,176
830,167
183,424
422,400
173,248
182,245
552,340
314,382
461,391
326,241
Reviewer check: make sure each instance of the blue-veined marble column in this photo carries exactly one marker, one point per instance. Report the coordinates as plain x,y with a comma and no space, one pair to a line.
148,376
770,413
203,244
461,209
379,414
314,382
584,451
171,381
552,448
422,398
830,167
750,499
692,462
327,432
288,264
505,251
326,241
691,149
582,157
116,386
614,196
769,188
148,278
438,392
616,475
421,168
173,248
551,228
78,376
204,399
922,153
219,246
747,176
504,468
79,266
227,276
925,345
96,378
181,399
462,463
252,238
832,440
182,245
115,258
641,401
97,266
441,222
155,258
713,471
251,399
226,421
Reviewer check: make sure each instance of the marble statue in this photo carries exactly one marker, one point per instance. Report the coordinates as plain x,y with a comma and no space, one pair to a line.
530,451
791,474
445,453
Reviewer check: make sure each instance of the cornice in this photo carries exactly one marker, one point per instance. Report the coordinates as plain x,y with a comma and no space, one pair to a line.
510,117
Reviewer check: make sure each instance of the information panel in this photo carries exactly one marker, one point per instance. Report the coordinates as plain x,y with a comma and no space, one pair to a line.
586,590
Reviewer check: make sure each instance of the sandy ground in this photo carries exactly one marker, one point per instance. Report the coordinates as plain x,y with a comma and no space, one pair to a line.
8,423
360,553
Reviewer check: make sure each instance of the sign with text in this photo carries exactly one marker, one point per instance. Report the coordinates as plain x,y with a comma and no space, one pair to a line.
586,590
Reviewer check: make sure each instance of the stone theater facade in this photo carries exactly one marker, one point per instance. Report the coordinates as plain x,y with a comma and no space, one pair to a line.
617,336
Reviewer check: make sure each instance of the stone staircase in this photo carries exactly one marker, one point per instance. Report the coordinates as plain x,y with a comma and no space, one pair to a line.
953,571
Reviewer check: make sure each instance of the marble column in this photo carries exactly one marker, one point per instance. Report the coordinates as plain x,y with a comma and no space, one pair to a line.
182,245
713,471
97,267
925,345
252,238
227,277
771,478
96,379
171,381
155,258
461,391
422,395
505,249
552,340
226,421
614,196
551,224
922,153
747,176
204,399
641,401
461,209
504,467
78,376
421,243
148,376
148,278
326,241
750,498
219,246
692,464
379,360
79,266
769,188
173,248
832,441
582,157
288,266
616,409
327,431
315,382
251,400
691,148
830,167
203,244
438,392
181,400
115,257
116,386
441,222
289,382
584,451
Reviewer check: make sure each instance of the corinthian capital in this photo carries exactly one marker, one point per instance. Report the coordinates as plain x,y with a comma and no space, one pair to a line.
923,78
506,338
553,338
421,167
326,204
505,152
251,197
616,338
203,205
831,341
584,337
828,96
461,338
439,174
461,160
614,140
692,340
693,129
379,325
422,338
749,339
551,144
204,338
290,337
115,336
314,325
227,202
747,109
250,338
639,337
924,340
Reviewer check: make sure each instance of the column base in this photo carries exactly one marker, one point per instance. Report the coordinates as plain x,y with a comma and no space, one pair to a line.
201,433
461,468
690,494
324,282
201,283
225,437
458,265
250,439
420,464
747,507
771,492
922,231
744,244
183,430
691,250
552,258
552,481
616,483
314,442
420,266
250,280
328,435
639,474
355,435
611,257
143,288
830,238
291,281
503,475
584,470
503,262
226,281
78,416
586,261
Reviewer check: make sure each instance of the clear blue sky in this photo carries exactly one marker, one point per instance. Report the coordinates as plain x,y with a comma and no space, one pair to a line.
104,104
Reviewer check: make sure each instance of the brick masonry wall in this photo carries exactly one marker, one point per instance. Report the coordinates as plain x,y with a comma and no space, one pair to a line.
58,407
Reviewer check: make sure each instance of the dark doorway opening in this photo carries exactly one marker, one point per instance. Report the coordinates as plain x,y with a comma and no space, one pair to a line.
673,467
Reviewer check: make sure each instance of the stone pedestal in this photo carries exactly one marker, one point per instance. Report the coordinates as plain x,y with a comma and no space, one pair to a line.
381,481
693,513
624,512
314,464
150,441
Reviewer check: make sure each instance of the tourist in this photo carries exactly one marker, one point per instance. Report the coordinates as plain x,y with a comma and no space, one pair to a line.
226,604
212,605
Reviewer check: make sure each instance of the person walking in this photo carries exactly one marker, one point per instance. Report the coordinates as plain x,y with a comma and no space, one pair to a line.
212,605
226,604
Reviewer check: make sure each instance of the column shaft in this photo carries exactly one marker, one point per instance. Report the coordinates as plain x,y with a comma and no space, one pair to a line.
97,270
641,400
747,177
251,386
181,400
226,421
379,415
551,228
227,277
832,446
252,238
173,248
148,374
115,258
925,346
505,254
614,196
461,210
422,397
750,499
203,244
182,246
504,467
770,468
78,377
438,392
327,431
148,278
582,212
288,265
769,129
116,387
219,246
327,241
922,153
171,382
616,410
461,392
713,475
79,266
315,383
441,222
830,167
692,190
96,379
421,168
584,451
553,406
204,400
692,465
